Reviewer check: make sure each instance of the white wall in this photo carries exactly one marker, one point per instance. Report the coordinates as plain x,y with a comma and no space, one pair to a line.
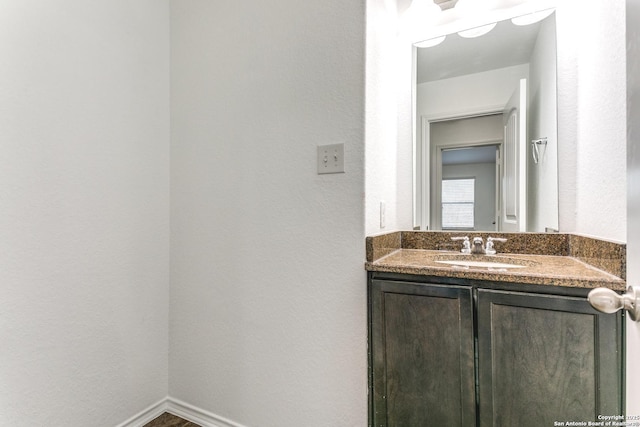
591,117
542,180
388,119
84,212
268,289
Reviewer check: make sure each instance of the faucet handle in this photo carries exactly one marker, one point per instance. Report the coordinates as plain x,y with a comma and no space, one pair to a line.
466,245
489,250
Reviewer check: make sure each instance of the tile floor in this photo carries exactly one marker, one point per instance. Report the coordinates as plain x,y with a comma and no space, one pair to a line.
170,420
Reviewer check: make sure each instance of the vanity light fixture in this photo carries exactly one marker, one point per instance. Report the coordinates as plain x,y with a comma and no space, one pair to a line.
423,11
428,25
477,31
419,18
430,42
469,8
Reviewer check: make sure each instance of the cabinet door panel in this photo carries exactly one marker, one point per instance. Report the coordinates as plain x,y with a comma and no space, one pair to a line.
546,358
422,351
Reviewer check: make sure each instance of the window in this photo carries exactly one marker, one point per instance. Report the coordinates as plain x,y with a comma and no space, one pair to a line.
458,196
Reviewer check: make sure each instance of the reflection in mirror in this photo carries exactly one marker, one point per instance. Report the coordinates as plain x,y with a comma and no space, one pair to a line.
486,131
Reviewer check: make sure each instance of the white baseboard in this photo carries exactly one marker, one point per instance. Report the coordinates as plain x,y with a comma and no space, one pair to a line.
182,410
197,415
146,415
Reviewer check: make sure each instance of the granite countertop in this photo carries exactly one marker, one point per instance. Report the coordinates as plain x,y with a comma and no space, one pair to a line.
537,269
398,253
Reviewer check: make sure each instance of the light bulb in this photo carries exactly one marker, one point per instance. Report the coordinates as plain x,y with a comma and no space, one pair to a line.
419,17
477,31
474,11
430,42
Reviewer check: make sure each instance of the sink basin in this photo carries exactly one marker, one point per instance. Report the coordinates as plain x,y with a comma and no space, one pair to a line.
481,264
490,262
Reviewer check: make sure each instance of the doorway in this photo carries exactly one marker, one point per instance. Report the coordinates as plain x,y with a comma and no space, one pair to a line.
466,173
469,186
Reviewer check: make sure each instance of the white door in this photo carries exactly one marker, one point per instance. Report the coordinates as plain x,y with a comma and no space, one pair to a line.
514,188
633,270
633,200
498,217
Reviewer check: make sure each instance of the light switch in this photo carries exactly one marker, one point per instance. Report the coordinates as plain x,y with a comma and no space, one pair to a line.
331,158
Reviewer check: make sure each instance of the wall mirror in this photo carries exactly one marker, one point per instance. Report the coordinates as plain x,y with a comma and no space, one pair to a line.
485,154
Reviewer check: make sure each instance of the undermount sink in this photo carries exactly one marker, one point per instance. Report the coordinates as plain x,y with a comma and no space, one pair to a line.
490,262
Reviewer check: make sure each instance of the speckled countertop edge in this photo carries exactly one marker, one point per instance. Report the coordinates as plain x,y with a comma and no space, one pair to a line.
405,253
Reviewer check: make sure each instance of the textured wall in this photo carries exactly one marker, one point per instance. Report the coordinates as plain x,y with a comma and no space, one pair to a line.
388,120
591,118
84,211
268,291
601,139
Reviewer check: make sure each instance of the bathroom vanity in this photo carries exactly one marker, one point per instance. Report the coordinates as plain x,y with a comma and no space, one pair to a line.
516,345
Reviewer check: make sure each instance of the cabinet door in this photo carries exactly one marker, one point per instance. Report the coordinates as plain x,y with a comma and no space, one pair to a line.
422,355
544,359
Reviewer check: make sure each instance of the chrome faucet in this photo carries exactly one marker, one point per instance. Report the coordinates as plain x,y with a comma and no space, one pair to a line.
489,249
478,247
466,245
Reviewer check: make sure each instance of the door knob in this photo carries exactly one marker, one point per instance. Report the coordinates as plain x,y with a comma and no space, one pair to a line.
608,301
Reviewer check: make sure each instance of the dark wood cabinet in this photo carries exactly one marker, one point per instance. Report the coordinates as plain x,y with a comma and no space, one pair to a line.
462,354
545,359
423,356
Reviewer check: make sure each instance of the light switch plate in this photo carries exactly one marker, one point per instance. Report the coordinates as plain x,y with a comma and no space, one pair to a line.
331,158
